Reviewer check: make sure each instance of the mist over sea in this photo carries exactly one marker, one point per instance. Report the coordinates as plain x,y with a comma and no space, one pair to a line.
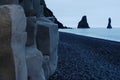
103,33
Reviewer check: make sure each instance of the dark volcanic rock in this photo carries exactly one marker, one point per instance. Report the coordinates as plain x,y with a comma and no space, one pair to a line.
49,13
109,24
20,1
83,23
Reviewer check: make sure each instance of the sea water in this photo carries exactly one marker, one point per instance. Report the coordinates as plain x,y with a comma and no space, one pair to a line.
109,34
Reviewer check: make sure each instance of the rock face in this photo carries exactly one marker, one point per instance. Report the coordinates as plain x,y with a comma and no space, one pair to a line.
12,43
83,23
7,71
47,42
9,2
49,13
28,41
33,55
44,38
109,24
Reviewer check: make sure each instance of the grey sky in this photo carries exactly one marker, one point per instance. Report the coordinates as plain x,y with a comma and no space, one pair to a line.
69,12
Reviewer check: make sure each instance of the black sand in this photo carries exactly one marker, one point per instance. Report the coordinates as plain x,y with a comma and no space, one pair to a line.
86,58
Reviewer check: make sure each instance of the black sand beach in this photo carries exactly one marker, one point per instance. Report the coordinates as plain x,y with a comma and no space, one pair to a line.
86,58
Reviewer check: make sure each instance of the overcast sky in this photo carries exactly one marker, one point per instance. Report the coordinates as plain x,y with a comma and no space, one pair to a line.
69,12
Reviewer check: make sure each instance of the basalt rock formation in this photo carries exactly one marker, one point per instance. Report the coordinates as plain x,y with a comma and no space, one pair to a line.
49,13
83,23
109,24
12,43
28,41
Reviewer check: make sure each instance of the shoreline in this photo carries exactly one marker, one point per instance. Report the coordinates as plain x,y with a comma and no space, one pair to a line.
87,58
101,33
94,37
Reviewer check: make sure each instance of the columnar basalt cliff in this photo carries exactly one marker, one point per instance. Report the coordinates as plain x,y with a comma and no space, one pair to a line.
28,40
83,23
109,24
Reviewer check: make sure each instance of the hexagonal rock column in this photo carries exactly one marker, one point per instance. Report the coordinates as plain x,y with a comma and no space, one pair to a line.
47,42
12,43
34,56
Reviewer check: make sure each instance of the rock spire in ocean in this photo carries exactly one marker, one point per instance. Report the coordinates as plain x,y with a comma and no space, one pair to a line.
109,24
83,23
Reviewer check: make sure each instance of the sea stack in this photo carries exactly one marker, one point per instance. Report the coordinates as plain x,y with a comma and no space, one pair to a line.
83,23
109,24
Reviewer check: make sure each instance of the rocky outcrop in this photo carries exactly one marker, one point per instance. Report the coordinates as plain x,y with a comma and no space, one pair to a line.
28,41
83,23
109,24
49,13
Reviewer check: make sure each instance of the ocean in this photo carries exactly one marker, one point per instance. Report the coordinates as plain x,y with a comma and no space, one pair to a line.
108,34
